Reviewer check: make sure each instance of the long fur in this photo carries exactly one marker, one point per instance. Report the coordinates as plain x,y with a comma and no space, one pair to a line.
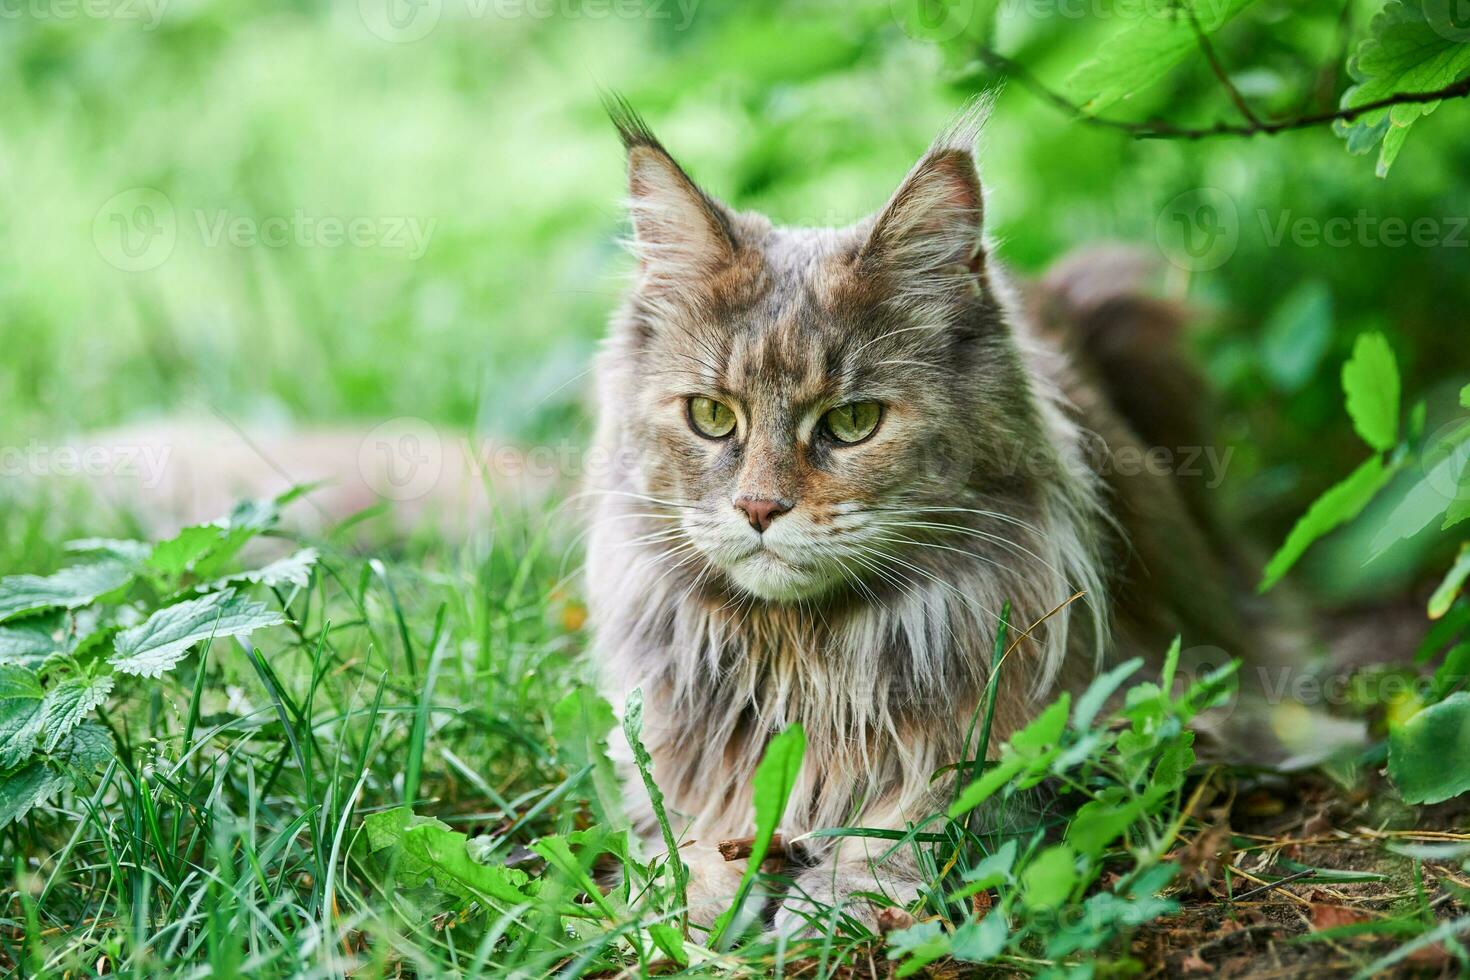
872,627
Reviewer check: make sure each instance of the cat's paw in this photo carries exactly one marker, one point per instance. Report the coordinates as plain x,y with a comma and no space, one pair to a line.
823,900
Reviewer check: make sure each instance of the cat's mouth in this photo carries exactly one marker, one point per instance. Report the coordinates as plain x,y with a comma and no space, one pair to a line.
767,574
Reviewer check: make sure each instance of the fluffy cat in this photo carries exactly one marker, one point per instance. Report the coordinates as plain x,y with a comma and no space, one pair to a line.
839,452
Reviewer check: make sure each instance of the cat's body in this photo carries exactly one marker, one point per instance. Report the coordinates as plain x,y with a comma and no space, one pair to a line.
775,573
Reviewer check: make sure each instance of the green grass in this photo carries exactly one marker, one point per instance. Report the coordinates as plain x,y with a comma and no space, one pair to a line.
230,831
396,767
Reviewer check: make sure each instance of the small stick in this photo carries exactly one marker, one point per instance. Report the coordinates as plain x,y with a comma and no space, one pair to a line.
1294,876
740,847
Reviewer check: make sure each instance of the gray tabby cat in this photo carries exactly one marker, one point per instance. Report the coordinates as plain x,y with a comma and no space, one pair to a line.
841,451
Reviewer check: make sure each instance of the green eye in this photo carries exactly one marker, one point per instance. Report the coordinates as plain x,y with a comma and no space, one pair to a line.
711,418
854,422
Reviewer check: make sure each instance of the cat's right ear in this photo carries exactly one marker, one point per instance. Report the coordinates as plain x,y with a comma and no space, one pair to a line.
680,233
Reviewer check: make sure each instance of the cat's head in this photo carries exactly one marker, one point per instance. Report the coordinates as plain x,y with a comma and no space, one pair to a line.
805,404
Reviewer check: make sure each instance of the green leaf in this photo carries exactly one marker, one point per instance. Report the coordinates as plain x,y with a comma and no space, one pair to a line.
1297,334
1334,508
1145,50
23,790
670,941
1045,730
1102,687
580,723
993,870
174,558
127,551
294,569
1465,396
157,644
775,778
633,732
1454,582
28,642
920,944
68,704
1048,879
1405,50
85,748
69,588
1425,501
20,723
979,942
428,852
18,682
1100,822
1429,755
1370,380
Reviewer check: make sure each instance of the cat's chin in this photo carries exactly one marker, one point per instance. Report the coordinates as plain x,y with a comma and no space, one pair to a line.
766,576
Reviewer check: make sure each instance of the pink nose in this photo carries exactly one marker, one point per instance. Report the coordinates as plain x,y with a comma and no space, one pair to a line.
762,512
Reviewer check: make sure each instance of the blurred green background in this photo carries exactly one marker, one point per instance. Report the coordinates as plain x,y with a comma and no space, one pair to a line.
302,212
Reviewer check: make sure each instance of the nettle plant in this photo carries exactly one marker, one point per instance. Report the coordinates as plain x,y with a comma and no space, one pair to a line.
127,612
1013,867
1429,739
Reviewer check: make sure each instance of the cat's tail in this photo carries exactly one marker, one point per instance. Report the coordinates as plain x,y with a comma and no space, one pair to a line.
1097,303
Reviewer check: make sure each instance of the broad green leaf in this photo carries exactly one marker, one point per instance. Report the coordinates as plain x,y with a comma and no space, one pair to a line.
85,748
294,569
18,682
1449,590
1465,396
1425,501
919,945
157,644
427,851
26,788
1145,50
775,778
580,722
1370,380
1405,50
131,552
979,942
20,723
987,785
561,854
993,870
1102,687
1045,730
1048,879
1429,755
633,732
28,642
1098,823
1334,508
1297,334
68,704
670,941
67,589
175,557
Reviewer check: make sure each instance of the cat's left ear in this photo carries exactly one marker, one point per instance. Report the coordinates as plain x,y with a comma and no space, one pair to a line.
680,233
931,227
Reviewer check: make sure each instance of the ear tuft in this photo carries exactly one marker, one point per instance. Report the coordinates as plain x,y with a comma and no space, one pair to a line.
931,227
680,234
